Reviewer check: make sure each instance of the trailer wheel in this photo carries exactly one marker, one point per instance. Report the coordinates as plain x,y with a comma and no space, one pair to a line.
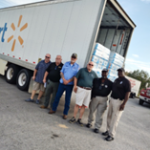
11,73
134,95
141,102
23,79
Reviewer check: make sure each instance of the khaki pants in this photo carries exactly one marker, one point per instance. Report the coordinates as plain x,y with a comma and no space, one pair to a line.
38,86
99,103
113,116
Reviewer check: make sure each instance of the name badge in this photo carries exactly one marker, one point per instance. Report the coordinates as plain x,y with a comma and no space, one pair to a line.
121,82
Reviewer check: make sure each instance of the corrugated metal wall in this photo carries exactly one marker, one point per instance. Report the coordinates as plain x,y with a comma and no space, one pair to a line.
57,28
114,39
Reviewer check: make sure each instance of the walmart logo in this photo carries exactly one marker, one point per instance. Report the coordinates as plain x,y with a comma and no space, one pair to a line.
4,29
19,37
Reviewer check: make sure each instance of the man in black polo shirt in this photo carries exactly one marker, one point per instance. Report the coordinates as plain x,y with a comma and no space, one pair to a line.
101,89
53,73
120,95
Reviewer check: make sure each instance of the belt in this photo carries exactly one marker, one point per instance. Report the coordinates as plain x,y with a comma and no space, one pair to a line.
86,88
117,98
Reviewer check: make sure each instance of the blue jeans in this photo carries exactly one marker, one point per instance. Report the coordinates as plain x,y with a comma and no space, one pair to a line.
61,89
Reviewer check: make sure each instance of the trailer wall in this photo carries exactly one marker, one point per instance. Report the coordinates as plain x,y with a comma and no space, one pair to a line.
55,27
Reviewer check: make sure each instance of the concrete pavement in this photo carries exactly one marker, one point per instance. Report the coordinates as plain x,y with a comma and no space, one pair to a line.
24,126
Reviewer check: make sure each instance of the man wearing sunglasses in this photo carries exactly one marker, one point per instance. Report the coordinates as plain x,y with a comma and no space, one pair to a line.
53,73
38,78
101,89
83,83
68,73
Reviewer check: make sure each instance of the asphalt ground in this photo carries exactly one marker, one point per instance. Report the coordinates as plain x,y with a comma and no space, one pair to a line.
24,126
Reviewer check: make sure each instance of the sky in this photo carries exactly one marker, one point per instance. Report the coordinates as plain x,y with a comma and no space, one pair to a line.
138,56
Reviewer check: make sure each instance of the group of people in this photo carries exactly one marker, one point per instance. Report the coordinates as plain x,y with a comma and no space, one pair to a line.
91,91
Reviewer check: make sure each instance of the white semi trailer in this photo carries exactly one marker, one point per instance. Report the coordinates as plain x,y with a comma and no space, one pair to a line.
28,32
135,86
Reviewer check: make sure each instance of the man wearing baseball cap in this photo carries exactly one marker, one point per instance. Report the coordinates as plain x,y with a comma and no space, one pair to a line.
120,95
68,72
101,89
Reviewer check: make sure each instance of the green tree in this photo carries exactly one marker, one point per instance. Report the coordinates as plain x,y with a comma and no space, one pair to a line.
140,75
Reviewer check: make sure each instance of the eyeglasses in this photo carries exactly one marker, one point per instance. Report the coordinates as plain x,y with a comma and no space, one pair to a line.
47,57
91,65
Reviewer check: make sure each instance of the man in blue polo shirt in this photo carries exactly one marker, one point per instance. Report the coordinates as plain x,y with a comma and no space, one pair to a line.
68,73
38,78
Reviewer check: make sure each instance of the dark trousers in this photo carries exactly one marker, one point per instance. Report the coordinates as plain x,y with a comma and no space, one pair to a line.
61,89
51,88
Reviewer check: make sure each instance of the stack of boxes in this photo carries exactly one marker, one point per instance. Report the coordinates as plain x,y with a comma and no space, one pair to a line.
100,58
104,58
115,62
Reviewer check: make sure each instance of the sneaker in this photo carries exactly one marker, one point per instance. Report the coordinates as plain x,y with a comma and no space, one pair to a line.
109,138
88,125
96,130
72,120
29,100
37,101
80,123
105,133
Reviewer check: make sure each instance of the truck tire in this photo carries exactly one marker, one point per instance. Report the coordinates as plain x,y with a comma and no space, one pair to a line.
11,73
134,95
23,79
141,102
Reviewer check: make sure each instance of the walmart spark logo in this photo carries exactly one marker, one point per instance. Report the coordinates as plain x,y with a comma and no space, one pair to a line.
19,37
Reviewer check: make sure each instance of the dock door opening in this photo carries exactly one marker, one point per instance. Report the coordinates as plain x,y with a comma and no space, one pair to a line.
114,32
